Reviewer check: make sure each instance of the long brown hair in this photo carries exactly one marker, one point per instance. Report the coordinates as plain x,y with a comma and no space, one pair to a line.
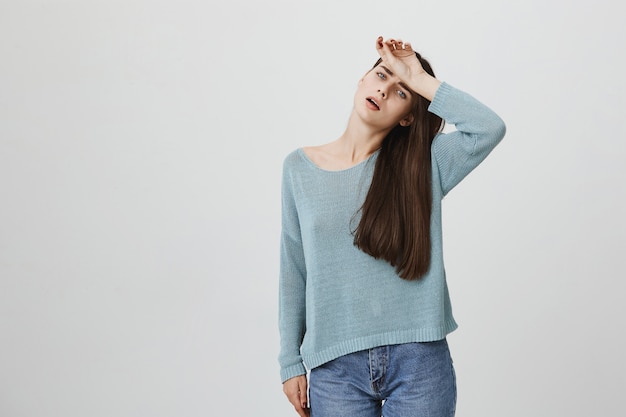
395,217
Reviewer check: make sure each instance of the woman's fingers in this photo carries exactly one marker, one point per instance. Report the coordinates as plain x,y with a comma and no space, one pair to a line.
304,399
385,48
399,45
393,48
296,391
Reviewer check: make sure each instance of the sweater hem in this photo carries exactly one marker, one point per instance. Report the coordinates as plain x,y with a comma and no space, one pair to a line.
397,337
292,371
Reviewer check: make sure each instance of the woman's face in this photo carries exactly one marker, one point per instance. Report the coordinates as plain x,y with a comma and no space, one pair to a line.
382,100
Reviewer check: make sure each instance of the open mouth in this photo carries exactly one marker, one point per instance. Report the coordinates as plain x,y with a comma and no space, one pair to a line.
373,104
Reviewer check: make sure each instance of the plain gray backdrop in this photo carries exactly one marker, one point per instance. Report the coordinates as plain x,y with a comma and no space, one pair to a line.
141,144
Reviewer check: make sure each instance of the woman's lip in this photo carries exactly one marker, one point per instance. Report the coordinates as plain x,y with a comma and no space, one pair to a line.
372,103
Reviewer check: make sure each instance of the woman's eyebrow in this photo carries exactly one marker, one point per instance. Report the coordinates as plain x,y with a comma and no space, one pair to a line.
406,87
400,83
387,70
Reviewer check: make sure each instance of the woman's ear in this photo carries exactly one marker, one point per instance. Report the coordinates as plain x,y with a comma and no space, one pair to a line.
407,120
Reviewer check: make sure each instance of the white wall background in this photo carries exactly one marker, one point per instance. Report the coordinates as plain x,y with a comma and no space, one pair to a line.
141,144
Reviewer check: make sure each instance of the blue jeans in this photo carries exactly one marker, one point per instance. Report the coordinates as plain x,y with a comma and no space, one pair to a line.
407,380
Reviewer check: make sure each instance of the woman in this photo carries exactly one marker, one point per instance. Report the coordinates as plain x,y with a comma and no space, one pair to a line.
363,297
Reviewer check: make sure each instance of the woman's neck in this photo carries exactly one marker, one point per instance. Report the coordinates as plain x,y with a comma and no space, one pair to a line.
359,141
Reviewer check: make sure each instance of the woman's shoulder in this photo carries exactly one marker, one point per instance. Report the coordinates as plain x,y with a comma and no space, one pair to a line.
294,161
293,157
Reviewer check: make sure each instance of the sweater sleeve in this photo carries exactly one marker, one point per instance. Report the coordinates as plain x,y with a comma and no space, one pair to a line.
292,284
479,130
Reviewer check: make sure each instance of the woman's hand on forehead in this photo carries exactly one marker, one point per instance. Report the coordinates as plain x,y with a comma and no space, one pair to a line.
399,57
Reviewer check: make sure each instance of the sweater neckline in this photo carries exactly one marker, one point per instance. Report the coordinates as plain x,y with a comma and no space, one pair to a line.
310,162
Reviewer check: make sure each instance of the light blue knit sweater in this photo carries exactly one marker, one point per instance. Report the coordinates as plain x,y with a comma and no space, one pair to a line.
335,299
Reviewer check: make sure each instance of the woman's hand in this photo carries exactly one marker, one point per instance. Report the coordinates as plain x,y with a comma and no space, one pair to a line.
400,58
296,391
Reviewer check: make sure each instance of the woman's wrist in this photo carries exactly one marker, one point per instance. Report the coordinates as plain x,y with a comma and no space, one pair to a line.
425,85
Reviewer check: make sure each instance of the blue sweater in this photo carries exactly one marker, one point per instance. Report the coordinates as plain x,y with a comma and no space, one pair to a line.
335,299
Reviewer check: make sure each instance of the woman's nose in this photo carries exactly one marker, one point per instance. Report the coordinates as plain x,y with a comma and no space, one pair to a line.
382,93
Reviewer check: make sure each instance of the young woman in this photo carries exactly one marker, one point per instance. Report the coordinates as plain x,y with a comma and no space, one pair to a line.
363,297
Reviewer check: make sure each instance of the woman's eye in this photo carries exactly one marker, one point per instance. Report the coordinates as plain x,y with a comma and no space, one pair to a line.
401,94
380,75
